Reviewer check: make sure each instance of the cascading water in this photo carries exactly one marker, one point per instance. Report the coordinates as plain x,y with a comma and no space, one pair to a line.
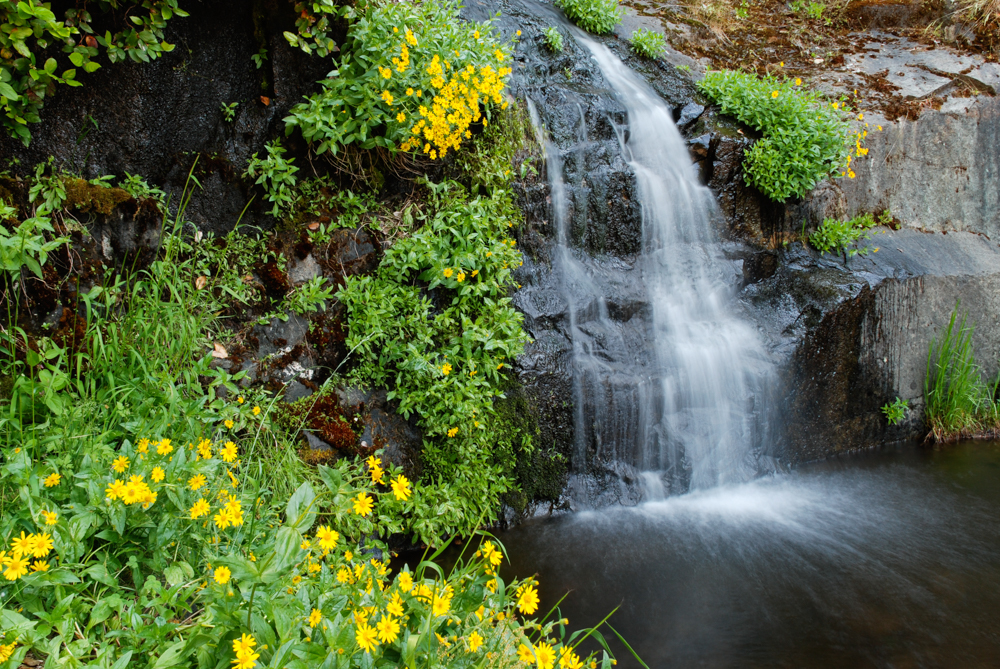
685,407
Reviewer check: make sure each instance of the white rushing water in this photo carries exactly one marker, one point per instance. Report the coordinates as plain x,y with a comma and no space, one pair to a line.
688,413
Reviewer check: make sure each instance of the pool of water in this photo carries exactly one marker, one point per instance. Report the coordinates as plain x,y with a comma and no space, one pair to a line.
881,560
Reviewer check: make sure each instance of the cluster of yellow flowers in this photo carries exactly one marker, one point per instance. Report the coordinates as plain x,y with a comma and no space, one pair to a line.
444,123
7,651
400,486
17,560
246,658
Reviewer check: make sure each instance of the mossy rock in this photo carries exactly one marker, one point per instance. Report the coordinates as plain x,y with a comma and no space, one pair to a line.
88,197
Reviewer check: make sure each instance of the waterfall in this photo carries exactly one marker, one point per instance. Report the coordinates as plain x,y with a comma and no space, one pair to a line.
685,411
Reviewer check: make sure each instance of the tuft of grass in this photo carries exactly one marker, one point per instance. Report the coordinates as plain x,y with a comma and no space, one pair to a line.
648,43
957,401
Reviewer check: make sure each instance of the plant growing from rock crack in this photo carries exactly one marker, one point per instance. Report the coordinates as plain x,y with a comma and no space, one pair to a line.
276,175
553,39
596,16
648,43
895,411
834,236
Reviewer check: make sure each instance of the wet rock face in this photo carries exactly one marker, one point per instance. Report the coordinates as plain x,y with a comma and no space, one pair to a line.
152,119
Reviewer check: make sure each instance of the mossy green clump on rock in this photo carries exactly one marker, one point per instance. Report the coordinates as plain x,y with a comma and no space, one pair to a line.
89,197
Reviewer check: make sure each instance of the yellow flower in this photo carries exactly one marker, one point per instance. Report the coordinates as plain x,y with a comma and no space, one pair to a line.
344,575
115,490
781,64
475,272
296,579
461,277
405,581
475,641
222,519
475,34
388,630
452,432
400,117
17,566
50,517
42,545
315,617
200,508
798,82
401,487
395,607
545,656
441,604
518,33
164,447
222,575
524,654
120,464
774,94
205,449
365,636
157,474
315,568
446,369
326,537
240,399
256,411
52,480
387,97
527,600
348,555
232,479
228,452
143,446
196,482
851,174
568,659
24,544
448,272
363,504
861,117
499,54
441,640
228,423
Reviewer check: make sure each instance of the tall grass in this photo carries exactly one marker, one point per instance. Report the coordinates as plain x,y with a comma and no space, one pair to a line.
958,403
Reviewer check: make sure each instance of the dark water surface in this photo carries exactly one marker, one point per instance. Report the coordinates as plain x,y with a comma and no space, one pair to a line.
882,560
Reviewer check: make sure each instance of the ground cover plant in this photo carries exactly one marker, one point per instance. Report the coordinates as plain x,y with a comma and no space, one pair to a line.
596,16
436,327
648,43
410,78
836,236
553,39
807,138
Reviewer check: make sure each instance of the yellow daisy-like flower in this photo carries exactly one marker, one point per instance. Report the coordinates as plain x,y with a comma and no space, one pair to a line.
143,446
228,423
164,447
446,369
196,482
475,641
395,606
120,464
448,272
388,629
17,566
51,517
200,508
405,581
315,617
240,399
256,411
228,452
401,487
244,644
366,637
326,537
774,94
222,575
452,432
545,656
524,654
461,277
363,504
527,600
40,565
157,474
52,480
115,490
42,545
798,82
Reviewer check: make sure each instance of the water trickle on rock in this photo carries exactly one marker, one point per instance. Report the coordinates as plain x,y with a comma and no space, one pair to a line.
685,411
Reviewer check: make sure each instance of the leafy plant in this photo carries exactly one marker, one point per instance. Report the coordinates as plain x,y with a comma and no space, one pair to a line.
489,161
596,16
410,78
434,324
895,411
648,43
229,111
276,175
30,31
313,25
310,297
834,236
26,245
813,10
806,138
553,39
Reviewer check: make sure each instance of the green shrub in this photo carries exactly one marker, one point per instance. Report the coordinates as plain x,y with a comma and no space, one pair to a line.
435,325
834,236
410,78
648,43
895,411
313,25
806,138
553,39
596,16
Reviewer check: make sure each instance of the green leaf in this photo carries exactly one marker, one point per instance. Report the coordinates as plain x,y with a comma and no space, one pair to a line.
7,92
76,58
